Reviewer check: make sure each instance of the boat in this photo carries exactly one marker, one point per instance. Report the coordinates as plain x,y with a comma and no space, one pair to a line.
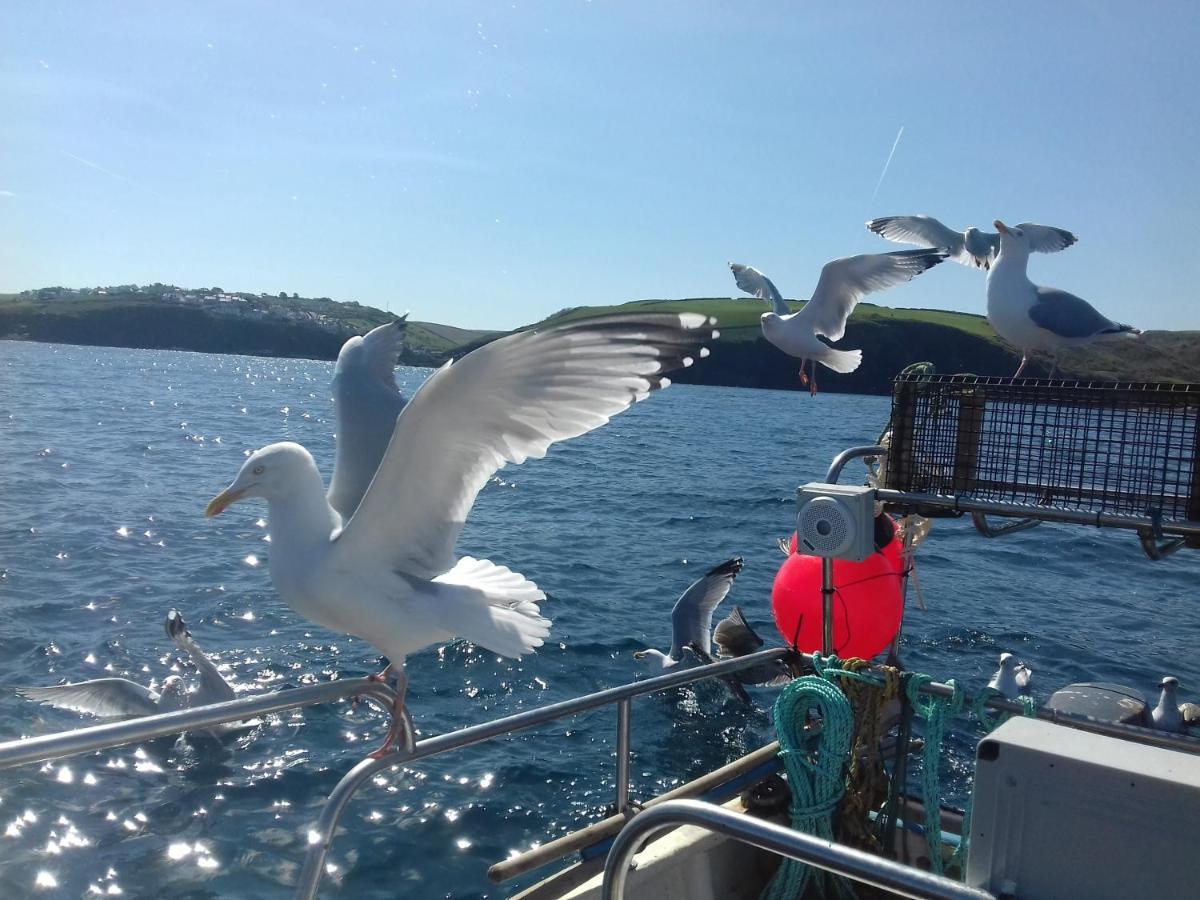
1079,797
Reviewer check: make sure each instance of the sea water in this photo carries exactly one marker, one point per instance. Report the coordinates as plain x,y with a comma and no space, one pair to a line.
108,457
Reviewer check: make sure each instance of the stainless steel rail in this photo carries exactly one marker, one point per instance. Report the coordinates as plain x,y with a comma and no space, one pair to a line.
907,881
115,734
320,836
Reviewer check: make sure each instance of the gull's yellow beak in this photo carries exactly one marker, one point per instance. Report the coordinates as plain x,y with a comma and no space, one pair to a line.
1000,227
219,503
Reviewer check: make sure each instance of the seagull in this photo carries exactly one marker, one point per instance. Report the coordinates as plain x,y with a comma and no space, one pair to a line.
389,575
842,284
734,637
691,617
1169,715
1039,318
366,401
121,697
971,247
1011,678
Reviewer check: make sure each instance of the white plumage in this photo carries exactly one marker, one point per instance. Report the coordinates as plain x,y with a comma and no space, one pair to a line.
970,247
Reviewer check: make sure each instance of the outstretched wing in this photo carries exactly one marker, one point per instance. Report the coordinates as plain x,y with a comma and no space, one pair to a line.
213,686
734,636
1047,238
924,231
100,697
691,618
366,401
845,281
752,281
731,681
506,402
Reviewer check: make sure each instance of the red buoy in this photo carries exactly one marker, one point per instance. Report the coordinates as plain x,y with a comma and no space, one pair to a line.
867,603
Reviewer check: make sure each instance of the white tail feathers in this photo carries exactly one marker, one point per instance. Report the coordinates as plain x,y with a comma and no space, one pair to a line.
841,361
492,606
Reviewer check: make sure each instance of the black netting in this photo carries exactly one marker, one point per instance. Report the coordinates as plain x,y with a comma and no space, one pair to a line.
1125,449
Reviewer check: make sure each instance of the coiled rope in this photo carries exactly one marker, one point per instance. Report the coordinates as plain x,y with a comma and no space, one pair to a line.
815,761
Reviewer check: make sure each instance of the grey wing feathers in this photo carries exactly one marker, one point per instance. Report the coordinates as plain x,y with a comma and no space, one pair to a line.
734,637
691,618
1069,316
1047,238
731,681
924,231
366,403
99,697
845,281
752,281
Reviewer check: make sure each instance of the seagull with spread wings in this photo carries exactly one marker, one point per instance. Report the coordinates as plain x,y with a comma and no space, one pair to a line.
120,697
970,247
842,284
390,575
691,617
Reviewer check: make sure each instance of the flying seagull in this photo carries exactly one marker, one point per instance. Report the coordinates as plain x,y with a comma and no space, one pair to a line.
366,401
842,284
1039,318
971,247
390,575
122,697
734,637
1011,678
691,617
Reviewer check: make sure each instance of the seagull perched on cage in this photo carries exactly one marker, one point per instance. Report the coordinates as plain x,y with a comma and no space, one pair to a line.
1031,317
1012,678
366,401
390,575
842,284
970,247
121,697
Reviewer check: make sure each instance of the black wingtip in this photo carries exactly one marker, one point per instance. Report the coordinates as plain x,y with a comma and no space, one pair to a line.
175,624
729,567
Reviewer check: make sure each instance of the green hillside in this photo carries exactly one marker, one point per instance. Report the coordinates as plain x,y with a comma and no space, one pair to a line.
210,320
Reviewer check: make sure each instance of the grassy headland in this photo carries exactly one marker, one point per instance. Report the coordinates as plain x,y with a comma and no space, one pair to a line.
210,320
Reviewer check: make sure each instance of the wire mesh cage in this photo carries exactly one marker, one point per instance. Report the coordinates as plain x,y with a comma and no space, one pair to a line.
1120,449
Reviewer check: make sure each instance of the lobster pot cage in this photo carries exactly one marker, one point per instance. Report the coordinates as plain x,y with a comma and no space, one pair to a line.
1109,449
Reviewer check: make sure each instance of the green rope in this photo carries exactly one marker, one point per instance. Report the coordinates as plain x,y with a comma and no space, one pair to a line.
816,769
935,711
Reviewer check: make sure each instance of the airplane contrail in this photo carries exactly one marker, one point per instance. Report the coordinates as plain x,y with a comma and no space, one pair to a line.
883,174
98,167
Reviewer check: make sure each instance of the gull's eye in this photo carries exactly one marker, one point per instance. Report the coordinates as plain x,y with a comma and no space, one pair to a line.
258,470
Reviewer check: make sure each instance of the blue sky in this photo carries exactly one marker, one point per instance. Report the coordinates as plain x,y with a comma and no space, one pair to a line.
484,164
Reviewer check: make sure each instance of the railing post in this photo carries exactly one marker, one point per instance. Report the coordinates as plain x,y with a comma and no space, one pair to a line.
827,591
623,711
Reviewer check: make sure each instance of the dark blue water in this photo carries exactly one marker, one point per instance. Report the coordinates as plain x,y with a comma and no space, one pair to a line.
108,456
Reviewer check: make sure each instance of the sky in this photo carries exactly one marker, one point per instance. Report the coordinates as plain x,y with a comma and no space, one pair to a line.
486,164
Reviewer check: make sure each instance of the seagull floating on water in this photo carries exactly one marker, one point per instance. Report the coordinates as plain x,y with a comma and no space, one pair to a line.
842,284
122,697
970,247
1039,318
390,575
1167,716
366,401
1011,678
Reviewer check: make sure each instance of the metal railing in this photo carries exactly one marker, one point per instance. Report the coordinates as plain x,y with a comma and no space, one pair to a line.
145,728
320,837
907,881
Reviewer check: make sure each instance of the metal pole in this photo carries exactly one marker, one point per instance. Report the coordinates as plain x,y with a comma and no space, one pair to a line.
144,728
827,591
623,710
855,864
839,461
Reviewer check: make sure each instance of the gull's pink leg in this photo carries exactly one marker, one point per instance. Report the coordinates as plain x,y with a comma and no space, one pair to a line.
812,383
396,731
803,374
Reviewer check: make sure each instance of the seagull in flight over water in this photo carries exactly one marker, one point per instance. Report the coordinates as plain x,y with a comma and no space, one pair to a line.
1031,317
842,284
691,617
389,574
970,247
